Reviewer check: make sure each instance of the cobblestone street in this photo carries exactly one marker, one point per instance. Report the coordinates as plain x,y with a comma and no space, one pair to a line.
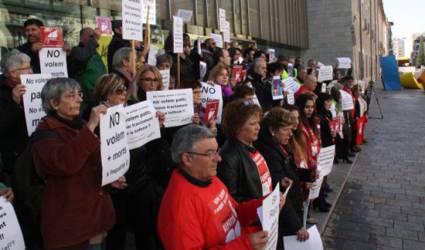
383,203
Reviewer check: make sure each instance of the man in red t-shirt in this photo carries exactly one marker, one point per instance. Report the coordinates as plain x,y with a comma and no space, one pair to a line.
197,212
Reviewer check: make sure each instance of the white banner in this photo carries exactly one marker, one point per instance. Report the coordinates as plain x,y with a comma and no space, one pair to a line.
218,39
177,105
314,241
165,75
186,15
132,26
290,85
177,34
11,237
325,160
152,11
32,99
142,124
326,73
209,93
269,217
344,63
347,102
53,61
114,149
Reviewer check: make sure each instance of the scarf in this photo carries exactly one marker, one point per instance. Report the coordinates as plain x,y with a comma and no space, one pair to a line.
226,90
76,123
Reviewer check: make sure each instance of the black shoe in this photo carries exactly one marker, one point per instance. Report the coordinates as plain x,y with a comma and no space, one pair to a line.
327,204
321,208
336,161
327,188
347,160
350,154
356,149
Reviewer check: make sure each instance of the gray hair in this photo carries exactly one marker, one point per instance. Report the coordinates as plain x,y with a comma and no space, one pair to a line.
53,90
13,60
121,55
164,58
185,139
257,62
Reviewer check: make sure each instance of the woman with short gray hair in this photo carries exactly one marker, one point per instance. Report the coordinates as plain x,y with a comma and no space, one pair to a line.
76,211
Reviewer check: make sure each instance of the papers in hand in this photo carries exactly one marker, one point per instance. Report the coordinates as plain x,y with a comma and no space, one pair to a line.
314,241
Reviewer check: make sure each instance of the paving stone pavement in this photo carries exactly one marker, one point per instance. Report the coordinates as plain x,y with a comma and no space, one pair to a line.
382,205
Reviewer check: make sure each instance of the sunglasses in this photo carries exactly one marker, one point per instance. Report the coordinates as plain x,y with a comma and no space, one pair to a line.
121,90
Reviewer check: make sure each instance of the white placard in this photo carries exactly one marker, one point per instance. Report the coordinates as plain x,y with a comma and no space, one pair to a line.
11,237
153,53
290,85
34,83
177,34
326,73
226,32
177,105
165,75
186,15
315,189
218,39
290,98
142,124
114,149
314,241
132,26
269,217
347,102
53,61
323,88
325,160
272,55
152,11
199,47
202,69
344,63
209,93
222,19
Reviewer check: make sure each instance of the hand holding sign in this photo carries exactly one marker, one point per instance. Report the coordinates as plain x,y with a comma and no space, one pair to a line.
95,116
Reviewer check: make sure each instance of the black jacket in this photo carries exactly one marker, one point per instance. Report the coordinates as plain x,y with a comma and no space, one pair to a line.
281,164
187,69
116,43
13,129
239,172
262,89
35,61
325,130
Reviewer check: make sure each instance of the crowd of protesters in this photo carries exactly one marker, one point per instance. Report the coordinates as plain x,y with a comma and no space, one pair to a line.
196,187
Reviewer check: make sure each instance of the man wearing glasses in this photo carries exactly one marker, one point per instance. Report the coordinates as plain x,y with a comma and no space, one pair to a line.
197,212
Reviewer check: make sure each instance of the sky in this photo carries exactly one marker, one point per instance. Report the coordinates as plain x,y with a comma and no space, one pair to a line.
408,17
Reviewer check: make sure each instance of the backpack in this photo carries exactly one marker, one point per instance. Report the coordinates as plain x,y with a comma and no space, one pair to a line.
28,188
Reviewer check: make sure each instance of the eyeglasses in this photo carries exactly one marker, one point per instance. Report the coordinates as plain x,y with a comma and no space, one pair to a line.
121,90
211,154
22,69
74,96
148,79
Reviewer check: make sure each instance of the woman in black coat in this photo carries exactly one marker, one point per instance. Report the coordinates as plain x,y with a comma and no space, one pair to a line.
276,130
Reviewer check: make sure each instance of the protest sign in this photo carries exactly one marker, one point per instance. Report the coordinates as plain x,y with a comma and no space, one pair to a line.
51,37
277,93
290,98
212,92
11,237
211,111
132,27
104,24
152,11
114,149
226,32
218,39
344,63
347,102
186,15
323,88
290,70
314,241
315,189
272,55
53,61
165,75
269,217
325,160
237,74
34,83
222,19
177,105
153,52
202,69
177,34
142,124
291,85
325,73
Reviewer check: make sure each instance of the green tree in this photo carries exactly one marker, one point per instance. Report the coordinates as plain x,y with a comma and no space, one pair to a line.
420,60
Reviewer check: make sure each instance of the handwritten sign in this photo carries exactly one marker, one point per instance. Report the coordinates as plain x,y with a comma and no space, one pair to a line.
344,63
132,26
290,85
347,102
326,160
222,19
152,11
11,237
218,39
177,34
186,15
325,73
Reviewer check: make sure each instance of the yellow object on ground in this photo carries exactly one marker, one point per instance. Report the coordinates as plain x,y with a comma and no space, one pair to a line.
409,81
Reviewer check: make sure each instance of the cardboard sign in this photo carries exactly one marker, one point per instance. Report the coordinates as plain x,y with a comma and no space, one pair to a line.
211,111
53,61
114,150
186,15
177,105
222,19
269,217
142,124
104,24
325,160
177,34
152,11
277,93
325,73
344,63
51,37
347,102
132,26
34,83
290,85
165,75
11,237
209,93
218,39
